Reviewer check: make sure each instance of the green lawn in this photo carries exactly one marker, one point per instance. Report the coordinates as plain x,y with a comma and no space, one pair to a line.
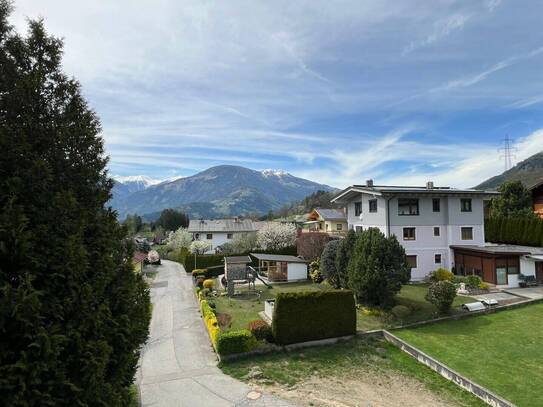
357,359
412,296
245,308
502,351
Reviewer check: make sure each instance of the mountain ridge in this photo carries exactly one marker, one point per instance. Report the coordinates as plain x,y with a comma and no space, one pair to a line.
224,190
529,171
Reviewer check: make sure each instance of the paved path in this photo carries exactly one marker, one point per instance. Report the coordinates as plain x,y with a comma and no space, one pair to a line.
178,366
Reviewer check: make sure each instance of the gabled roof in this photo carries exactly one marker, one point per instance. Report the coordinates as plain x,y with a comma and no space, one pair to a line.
389,190
331,214
238,260
221,225
536,185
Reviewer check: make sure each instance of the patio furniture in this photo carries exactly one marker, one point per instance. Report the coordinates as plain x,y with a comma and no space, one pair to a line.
526,281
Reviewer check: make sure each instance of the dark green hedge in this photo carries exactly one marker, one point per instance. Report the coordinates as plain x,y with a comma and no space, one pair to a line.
232,342
311,315
209,260
527,231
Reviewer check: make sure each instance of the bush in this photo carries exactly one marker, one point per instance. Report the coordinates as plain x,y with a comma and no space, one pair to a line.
211,322
328,263
311,315
441,274
400,312
200,282
459,279
198,272
377,268
441,294
232,342
473,281
316,276
261,330
209,283
343,255
483,286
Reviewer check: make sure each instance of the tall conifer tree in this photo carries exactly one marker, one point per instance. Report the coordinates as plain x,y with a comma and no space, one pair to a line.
73,314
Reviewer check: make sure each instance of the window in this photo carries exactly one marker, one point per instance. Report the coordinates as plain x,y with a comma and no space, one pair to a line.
373,205
229,235
358,229
437,231
357,208
209,236
408,206
465,205
437,258
436,205
467,233
327,227
197,236
408,233
339,226
412,261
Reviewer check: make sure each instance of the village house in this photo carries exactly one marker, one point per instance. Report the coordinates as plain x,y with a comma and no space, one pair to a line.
333,221
219,231
537,197
427,220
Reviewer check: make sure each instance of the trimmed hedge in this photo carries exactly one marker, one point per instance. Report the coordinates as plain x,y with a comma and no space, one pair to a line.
527,231
232,342
210,320
312,315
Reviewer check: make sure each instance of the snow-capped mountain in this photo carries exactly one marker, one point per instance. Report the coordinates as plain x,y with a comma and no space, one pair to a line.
125,186
225,190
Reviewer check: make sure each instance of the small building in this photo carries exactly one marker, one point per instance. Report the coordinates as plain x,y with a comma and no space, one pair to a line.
499,264
332,221
138,260
537,197
281,267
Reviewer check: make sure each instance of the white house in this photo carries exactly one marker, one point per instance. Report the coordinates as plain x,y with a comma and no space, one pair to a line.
219,231
426,220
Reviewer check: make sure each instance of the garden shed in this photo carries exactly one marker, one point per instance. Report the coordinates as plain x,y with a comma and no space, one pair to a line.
235,263
279,267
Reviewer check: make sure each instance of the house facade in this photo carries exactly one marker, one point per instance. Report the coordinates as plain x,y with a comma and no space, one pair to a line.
219,231
333,221
427,220
537,198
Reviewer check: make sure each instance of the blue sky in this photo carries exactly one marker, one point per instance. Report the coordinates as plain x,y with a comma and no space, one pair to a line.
334,91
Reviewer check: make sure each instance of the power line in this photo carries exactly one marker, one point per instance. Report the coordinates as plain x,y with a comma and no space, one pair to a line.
507,152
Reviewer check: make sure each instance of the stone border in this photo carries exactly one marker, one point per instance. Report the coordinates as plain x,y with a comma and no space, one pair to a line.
483,393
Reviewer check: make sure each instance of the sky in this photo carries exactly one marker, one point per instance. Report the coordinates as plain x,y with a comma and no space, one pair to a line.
333,91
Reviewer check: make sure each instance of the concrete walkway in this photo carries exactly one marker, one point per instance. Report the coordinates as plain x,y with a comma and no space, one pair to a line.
178,365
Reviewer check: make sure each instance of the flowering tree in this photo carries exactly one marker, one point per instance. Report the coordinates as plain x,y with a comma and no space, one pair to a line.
181,238
199,247
275,236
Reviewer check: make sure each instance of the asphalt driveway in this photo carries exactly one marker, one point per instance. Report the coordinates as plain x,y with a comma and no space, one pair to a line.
178,366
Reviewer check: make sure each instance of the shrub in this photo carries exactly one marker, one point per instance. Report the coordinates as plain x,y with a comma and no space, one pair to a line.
328,263
198,272
232,342
316,276
200,282
343,255
459,279
441,274
211,322
400,312
441,294
484,286
473,281
209,283
261,330
311,315
377,268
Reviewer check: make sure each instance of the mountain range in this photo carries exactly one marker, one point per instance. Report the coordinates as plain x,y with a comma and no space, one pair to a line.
224,190
529,171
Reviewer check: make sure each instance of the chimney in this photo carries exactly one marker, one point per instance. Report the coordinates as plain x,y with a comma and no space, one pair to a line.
369,183
430,185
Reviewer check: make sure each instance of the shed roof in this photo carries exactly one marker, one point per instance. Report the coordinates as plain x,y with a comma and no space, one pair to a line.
505,249
237,259
221,225
278,257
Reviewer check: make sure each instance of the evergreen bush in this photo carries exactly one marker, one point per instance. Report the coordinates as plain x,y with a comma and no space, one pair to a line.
441,294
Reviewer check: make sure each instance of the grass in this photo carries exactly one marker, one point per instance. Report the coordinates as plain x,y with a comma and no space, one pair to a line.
412,296
502,351
245,308
357,358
